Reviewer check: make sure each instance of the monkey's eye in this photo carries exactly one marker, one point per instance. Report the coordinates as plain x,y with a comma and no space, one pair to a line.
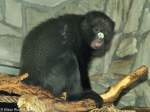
100,36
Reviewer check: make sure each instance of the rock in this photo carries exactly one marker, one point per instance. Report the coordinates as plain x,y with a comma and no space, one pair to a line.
7,30
115,12
139,56
101,82
49,3
145,26
96,66
146,49
83,6
109,54
73,7
10,49
127,47
122,66
35,17
143,96
134,15
142,57
1,9
127,100
1,17
126,7
14,18
9,70
146,53
96,5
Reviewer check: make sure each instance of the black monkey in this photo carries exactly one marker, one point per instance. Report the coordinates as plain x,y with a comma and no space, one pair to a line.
56,53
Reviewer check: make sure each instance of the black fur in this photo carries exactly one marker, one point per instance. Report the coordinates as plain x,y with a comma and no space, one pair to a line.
56,53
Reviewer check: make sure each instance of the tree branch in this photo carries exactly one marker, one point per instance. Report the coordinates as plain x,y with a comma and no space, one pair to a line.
39,100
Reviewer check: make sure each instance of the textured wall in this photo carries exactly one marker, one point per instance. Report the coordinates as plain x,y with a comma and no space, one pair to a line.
130,47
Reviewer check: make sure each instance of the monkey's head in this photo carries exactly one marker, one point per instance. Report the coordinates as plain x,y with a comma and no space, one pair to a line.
98,29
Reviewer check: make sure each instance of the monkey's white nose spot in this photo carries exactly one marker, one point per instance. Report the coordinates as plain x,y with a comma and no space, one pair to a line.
100,35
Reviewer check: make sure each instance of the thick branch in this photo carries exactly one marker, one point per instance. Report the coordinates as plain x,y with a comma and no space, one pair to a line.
40,100
127,81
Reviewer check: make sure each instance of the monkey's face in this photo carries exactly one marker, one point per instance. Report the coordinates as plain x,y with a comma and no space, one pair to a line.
103,31
99,30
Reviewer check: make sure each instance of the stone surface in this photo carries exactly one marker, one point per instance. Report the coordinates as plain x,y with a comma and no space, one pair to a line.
134,15
10,49
146,53
115,12
122,66
101,82
82,6
143,96
146,21
139,56
7,30
14,18
127,47
96,66
50,3
109,55
1,9
143,53
34,17
73,7
96,5
9,70
146,49
126,7
1,17
127,100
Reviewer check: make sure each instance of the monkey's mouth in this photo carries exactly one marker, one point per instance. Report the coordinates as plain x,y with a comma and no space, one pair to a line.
97,44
